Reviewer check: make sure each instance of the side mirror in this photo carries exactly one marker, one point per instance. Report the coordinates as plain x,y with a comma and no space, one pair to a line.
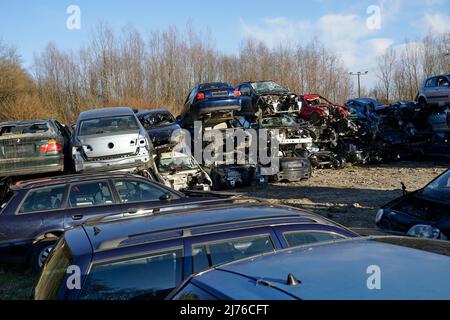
165,197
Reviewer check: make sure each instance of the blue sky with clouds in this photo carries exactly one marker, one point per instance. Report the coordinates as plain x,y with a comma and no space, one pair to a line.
341,25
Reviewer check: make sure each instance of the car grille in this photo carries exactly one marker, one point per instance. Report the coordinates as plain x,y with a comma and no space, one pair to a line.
113,157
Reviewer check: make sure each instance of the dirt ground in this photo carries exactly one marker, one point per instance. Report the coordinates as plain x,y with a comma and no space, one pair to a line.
353,195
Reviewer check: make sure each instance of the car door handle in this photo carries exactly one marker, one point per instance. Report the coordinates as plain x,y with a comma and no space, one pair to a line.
77,217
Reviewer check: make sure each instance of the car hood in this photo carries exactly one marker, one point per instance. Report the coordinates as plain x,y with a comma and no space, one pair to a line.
343,270
107,145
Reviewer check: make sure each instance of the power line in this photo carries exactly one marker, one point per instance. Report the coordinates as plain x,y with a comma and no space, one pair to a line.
359,74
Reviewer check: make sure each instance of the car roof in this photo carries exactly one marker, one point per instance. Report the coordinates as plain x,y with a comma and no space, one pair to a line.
208,217
338,270
20,122
50,181
105,112
147,111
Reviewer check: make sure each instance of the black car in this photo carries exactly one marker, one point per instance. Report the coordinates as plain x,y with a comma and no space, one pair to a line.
145,258
35,213
160,124
266,98
210,102
422,213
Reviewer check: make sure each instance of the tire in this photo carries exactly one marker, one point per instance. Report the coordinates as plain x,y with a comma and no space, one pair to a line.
40,252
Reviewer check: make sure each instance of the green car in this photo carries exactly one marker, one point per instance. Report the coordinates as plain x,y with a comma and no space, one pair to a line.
33,147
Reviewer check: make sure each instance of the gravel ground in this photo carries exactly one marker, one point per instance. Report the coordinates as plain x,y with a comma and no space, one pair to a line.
353,195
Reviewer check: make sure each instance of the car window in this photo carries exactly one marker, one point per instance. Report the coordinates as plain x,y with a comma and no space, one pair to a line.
135,191
147,278
43,200
192,292
431,82
442,82
90,194
207,255
300,238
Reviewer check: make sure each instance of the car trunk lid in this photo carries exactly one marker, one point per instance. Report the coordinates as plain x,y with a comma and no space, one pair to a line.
105,145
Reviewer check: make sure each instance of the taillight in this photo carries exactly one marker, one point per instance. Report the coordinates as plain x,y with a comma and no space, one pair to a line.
200,96
237,93
50,146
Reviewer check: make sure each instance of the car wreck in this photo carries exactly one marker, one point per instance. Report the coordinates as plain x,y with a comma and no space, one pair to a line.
110,139
260,98
422,213
316,108
179,170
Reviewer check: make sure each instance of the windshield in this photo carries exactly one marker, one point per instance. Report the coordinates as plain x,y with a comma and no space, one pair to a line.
283,121
107,125
54,272
439,189
21,129
152,120
267,87
178,163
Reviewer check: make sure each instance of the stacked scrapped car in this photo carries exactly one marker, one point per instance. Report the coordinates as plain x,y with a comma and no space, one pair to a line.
160,125
179,170
110,139
267,98
33,147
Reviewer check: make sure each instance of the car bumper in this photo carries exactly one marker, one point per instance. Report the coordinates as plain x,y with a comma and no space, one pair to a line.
293,175
218,106
134,163
28,166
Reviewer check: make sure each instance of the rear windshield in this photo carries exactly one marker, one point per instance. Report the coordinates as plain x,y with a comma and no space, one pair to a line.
213,86
107,125
22,129
54,272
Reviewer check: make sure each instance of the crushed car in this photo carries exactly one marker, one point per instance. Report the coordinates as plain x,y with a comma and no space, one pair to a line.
160,125
315,108
179,170
422,213
34,147
266,98
110,139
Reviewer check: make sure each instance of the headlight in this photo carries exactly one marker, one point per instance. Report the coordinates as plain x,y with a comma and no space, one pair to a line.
379,215
424,231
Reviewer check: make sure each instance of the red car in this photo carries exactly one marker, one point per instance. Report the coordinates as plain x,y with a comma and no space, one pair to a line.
316,107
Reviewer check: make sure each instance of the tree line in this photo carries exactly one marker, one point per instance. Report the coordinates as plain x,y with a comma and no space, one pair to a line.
126,69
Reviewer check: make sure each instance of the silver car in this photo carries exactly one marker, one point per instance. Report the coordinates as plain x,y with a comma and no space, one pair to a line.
435,91
110,139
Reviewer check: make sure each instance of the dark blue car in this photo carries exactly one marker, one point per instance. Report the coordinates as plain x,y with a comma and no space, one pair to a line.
34,213
353,269
210,102
148,257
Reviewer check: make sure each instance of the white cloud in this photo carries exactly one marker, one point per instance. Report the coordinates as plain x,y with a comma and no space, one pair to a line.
345,34
437,22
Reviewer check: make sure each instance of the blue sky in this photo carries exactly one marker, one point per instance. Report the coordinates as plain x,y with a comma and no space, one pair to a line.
341,25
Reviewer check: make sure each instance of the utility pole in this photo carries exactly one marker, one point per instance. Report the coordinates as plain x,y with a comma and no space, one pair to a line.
359,74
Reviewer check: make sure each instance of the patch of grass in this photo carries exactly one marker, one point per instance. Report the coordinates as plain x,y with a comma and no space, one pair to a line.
16,282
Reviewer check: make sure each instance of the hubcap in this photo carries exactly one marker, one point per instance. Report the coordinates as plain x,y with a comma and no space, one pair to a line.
44,255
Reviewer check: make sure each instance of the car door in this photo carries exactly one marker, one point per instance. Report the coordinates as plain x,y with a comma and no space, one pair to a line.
88,200
303,234
144,197
430,90
143,272
442,92
205,251
41,210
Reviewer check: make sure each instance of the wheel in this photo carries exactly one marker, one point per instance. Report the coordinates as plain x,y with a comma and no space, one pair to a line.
40,252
